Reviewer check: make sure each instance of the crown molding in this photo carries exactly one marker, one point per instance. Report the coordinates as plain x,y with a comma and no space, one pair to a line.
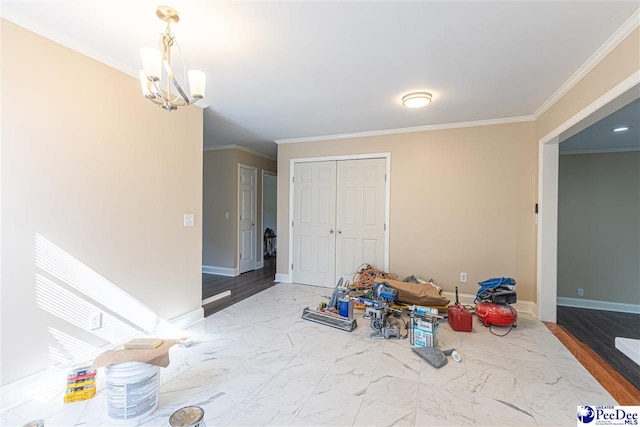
241,148
631,24
600,151
413,129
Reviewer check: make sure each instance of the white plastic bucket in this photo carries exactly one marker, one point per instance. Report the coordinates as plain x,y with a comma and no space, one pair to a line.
132,390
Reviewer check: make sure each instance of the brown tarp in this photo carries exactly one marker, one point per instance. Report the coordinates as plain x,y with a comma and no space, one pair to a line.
153,356
417,293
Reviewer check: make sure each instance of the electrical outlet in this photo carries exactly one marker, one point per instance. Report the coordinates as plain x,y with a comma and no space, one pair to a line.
463,277
580,292
95,320
189,220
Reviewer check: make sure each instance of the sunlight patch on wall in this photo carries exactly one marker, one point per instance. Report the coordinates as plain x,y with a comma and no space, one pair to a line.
74,273
75,310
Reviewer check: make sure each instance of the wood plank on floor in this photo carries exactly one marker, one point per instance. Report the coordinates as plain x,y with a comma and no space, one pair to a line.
622,390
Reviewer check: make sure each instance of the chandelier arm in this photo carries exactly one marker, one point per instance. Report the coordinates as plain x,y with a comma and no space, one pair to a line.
179,89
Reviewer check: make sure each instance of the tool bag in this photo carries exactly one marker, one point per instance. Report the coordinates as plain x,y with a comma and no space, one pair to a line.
503,288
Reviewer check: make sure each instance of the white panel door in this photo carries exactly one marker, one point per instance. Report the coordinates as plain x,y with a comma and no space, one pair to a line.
360,215
247,218
314,223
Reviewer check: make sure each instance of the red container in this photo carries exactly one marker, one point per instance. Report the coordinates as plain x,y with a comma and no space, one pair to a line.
459,318
496,314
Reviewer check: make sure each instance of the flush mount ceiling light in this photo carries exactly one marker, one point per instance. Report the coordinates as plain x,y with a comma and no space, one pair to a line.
156,69
416,99
620,129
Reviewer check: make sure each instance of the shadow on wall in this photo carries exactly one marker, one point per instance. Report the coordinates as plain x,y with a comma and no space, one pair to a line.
88,303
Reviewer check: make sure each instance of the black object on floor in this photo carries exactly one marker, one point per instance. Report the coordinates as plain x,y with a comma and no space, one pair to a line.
598,330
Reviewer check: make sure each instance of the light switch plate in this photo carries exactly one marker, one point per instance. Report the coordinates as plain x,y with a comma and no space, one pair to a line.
189,220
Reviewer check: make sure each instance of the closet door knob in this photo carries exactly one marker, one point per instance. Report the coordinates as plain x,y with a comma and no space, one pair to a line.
339,231
331,231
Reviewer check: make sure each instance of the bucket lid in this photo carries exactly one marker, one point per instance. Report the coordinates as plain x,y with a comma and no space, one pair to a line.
187,416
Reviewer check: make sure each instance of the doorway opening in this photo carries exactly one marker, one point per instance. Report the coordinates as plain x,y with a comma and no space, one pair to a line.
269,215
548,161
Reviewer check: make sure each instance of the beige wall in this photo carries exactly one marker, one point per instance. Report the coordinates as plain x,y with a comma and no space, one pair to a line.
220,189
105,176
599,226
462,200
220,242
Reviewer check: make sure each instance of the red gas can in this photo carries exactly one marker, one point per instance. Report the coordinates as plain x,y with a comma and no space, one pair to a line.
459,318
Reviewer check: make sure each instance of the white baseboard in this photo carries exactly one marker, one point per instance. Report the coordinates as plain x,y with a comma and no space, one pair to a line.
220,271
522,306
599,305
188,319
283,278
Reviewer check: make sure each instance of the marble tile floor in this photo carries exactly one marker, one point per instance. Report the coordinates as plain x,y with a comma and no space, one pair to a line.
257,363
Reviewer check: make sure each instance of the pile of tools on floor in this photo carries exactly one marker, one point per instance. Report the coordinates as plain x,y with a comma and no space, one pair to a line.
386,301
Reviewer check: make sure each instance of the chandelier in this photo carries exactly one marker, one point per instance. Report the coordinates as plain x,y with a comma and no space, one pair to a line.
156,70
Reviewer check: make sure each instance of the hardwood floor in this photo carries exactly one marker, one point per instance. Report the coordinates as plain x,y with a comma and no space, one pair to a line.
597,330
241,287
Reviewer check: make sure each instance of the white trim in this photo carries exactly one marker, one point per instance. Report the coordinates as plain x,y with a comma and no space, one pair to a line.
547,247
292,163
489,122
608,46
216,297
547,260
260,264
241,148
601,151
521,306
283,278
607,97
188,319
255,214
599,305
220,271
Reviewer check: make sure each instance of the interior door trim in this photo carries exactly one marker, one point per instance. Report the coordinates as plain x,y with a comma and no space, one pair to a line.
387,194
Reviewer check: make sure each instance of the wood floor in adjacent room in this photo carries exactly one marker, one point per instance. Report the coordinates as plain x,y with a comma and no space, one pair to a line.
241,287
594,332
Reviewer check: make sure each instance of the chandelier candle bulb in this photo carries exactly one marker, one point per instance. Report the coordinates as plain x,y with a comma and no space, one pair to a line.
197,81
151,63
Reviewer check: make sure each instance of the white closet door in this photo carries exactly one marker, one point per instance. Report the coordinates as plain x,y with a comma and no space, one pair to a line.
360,226
247,219
314,223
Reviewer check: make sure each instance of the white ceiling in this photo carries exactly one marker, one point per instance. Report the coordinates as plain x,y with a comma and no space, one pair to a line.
283,70
599,137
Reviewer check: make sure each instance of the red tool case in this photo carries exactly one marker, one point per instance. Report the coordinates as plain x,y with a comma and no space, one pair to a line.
496,314
459,318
